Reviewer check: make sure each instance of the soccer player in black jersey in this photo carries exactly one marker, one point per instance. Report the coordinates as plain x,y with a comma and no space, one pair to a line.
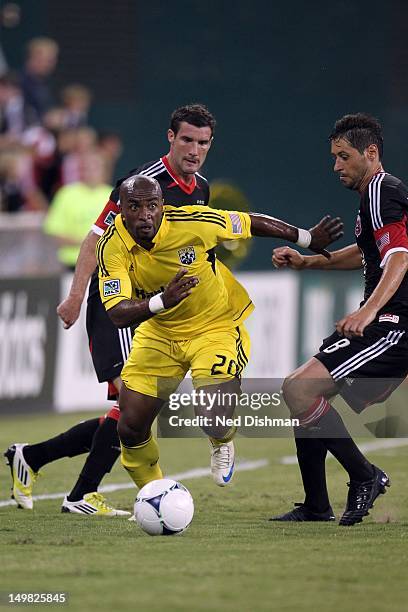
370,343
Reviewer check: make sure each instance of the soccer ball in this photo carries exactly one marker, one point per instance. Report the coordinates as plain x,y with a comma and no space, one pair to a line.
164,507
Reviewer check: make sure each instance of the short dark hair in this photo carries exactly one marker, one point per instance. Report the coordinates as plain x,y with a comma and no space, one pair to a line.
194,114
360,130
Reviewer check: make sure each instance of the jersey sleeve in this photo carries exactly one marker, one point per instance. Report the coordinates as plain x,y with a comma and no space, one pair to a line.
114,282
107,216
112,207
221,225
388,211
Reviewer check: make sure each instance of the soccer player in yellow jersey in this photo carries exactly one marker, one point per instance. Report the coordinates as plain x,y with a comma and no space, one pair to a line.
154,271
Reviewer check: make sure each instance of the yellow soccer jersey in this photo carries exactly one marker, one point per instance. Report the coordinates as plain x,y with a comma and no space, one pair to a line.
128,271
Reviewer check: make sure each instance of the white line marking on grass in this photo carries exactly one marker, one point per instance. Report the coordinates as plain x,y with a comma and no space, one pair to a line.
365,448
242,466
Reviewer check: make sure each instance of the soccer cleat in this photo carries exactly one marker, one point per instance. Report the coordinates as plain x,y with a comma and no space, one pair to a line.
362,495
22,475
93,504
222,462
302,514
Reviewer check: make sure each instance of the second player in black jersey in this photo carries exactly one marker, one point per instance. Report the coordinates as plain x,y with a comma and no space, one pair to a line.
366,357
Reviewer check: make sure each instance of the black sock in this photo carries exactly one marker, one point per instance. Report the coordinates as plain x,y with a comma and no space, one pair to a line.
73,442
333,433
311,454
104,452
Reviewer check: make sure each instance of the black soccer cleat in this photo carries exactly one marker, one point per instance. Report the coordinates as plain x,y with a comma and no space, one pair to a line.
362,495
302,514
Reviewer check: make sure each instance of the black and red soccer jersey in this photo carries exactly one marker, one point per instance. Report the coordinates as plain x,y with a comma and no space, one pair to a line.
381,229
175,191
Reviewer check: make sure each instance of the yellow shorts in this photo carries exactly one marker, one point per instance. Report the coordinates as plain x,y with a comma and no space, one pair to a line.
157,365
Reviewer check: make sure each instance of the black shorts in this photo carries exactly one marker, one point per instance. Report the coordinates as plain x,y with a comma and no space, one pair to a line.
367,369
109,345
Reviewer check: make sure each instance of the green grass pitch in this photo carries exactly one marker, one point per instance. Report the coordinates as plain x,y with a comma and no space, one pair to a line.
231,558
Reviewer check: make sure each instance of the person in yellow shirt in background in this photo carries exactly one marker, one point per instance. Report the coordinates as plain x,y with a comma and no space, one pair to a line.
75,207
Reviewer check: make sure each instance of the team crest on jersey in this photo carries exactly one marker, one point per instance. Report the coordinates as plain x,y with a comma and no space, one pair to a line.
358,229
187,255
111,287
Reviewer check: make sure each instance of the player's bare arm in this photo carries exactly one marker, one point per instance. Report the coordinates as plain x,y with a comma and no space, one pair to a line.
68,310
317,238
348,258
394,272
132,312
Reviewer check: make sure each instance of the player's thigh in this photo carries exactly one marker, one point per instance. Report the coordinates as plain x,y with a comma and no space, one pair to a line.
138,410
218,356
109,345
153,367
366,369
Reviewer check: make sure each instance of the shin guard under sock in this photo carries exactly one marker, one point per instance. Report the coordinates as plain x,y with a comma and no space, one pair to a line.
141,462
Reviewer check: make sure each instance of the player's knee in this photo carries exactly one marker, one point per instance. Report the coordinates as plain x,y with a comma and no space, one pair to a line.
131,431
293,393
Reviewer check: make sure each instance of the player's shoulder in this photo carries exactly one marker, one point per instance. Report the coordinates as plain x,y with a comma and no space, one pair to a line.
201,179
391,186
151,168
192,210
110,241
195,215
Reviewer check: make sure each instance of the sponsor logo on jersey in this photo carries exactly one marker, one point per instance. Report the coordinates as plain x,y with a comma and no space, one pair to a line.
111,287
200,202
187,255
389,318
110,218
236,224
358,228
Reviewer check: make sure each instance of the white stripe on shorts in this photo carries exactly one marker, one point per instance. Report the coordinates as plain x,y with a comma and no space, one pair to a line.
125,342
367,354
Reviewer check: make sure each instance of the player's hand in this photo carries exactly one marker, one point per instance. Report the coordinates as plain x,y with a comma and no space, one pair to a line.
285,257
328,230
68,311
355,323
179,288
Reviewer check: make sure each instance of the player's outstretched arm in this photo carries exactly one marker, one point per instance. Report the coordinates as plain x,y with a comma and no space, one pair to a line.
317,238
132,312
348,258
68,310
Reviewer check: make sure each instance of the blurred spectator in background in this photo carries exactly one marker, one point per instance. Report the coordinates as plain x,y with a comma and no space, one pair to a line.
110,146
77,141
15,114
76,102
45,147
18,191
40,63
75,207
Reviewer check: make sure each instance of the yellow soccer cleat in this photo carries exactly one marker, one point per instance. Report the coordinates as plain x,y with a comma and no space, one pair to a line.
22,475
92,504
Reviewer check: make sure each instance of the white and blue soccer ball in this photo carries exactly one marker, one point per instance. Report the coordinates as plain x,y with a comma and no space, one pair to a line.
164,507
